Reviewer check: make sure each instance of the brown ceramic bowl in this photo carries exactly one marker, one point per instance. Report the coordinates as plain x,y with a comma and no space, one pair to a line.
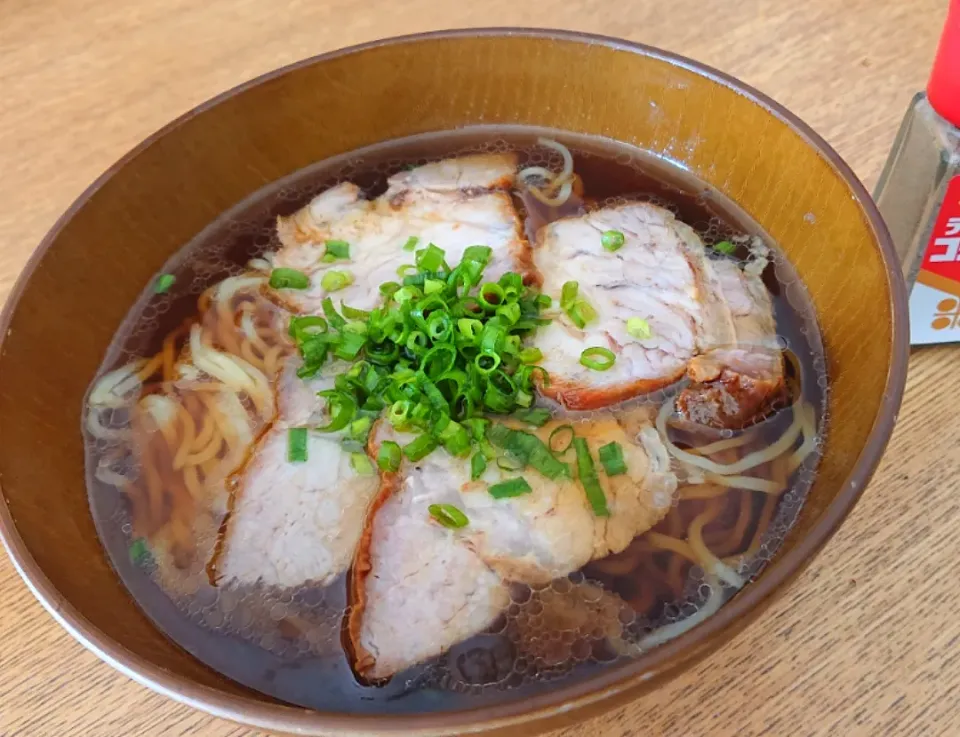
92,266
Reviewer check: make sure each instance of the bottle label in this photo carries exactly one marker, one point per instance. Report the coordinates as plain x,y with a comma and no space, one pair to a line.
935,299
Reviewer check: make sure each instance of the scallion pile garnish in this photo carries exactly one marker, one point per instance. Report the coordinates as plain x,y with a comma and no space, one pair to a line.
444,349
612,240
597,358
297,444
289,279
725,247
448,516
163,283
611,458
510,488
587,474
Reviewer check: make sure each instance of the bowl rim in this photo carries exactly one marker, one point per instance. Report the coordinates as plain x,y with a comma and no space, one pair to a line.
604,685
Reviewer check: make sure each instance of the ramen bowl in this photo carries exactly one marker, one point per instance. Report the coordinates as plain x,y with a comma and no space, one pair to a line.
93,264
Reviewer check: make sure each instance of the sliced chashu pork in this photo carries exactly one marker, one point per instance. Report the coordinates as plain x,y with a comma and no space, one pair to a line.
453,203
296,522
736,383
693,305
420,588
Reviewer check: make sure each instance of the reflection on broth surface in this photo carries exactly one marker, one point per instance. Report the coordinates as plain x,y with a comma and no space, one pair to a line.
352,456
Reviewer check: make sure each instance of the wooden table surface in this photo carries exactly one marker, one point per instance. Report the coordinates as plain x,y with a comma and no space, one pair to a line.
865,643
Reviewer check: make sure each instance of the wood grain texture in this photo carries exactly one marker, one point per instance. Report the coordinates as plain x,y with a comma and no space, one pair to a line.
864,642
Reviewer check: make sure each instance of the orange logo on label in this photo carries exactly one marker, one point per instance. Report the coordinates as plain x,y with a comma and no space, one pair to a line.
948,315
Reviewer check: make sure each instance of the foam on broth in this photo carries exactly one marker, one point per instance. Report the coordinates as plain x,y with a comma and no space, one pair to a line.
286,643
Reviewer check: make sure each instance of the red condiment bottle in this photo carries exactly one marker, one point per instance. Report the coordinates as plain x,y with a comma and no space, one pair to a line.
919,195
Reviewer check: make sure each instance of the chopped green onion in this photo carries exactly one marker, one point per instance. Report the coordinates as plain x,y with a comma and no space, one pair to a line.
612,240
302,327
478,253
493,337
508,463
491,296
297,444
639,328
360,429
289,279
389,288
350,345
478,427
543,301
470,329
430,258
478,465
334,317
509,313
487,363
530,355
337,249
411,243
438,361
510,488
725,247
139,552
407,294
587,474
568,295
528,449
434,395
439,327
501,392
334,280
342,408
448,516
455,439
582,313
525,376
536,417
163,283
611,457
578,310
399,413
560,440
421,446
597,358
402,269
360,463
388,457
352,313
417,343
433,286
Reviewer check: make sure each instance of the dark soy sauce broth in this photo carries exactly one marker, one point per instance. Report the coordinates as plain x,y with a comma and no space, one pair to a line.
484,669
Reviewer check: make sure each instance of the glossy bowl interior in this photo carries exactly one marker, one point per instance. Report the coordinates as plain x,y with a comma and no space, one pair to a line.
94,263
